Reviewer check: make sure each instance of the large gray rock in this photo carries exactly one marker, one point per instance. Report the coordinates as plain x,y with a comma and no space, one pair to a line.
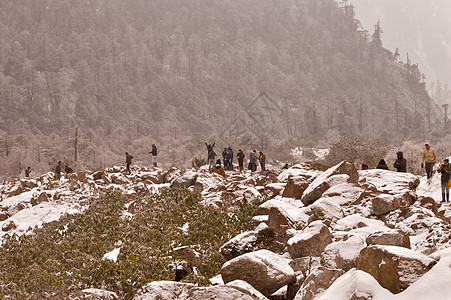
295,187
263,269
389,238
309,242
322,183
187,291
284,215
384,203
319,280
395,268
343,254
186,180
326,209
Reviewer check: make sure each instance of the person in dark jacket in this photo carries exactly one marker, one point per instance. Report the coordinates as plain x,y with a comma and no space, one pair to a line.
240,156
58,170
400,163
445,170
364,166
154,153
68,169
209,147
229,159
27,172
128,161
253,161
218,169
211,159
382,165
224,158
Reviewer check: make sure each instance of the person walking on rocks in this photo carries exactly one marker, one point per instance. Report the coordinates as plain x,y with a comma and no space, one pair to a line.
58,170
400,163
240,156
445,170
262,160
154,153
428,159
128,161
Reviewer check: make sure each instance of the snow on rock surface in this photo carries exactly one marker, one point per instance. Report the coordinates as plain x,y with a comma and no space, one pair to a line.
395,268
186,291
263,269
323,182
309,242
388,181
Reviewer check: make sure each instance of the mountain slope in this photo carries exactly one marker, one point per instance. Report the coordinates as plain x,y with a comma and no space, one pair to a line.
181,71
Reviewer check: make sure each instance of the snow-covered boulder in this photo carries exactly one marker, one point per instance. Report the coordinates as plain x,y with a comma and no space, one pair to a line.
296,185
344,254
384,203
356,285
43,197
326,209
3,216
251,194
8,225
189,254
310,241
389,238
319,280
186,180
243,243
246,288
388,181
323,182
395,268
284,215
187,291
263,269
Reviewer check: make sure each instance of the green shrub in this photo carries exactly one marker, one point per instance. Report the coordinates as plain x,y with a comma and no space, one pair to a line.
68,254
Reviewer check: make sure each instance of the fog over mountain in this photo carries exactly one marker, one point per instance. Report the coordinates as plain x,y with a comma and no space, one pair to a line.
264,74
420,27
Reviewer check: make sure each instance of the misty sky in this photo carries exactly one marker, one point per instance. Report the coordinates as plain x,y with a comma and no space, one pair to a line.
420,27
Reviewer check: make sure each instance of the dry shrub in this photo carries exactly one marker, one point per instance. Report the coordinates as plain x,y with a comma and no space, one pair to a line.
357,151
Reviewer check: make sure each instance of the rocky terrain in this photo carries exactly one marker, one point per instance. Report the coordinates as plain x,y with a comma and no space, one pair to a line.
323,233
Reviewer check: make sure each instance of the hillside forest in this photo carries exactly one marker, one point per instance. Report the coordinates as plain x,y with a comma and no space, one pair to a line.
83,81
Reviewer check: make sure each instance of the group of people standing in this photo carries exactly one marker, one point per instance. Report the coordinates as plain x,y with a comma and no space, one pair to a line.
228,155
428,161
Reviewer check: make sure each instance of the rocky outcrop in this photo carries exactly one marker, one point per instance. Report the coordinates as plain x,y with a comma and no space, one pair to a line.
326,209
389,238
343,254
189,254
296,185
395,268
284,215
186,180
323,182
384,203
186,291
319,280
309,242
8,225
263,269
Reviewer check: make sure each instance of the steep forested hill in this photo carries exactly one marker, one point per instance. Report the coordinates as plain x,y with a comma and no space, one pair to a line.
176,72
